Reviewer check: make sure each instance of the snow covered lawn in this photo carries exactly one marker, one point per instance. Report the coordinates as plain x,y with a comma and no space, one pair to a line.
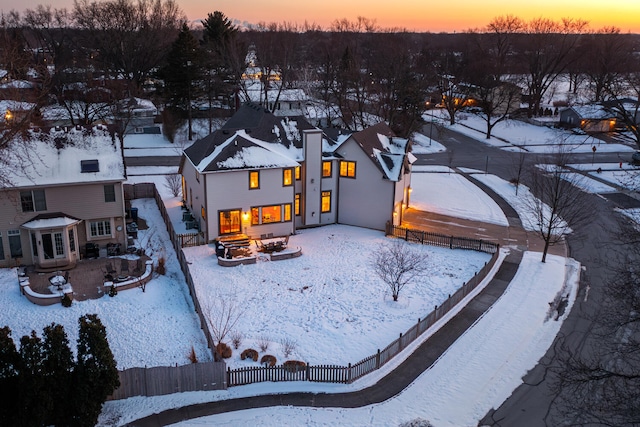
328,301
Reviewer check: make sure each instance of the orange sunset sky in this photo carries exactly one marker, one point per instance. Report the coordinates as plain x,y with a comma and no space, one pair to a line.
418,15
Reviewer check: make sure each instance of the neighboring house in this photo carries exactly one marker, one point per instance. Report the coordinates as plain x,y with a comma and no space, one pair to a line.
139,116
65,191
261,174
589,118
283,102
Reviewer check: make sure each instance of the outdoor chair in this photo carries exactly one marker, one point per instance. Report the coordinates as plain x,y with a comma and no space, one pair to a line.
124,267
109,268
139,268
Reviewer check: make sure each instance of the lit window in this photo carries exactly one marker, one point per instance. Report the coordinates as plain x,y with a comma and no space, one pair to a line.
348,169
287,212
255,216
197,176
254,180
298,171
326,169
202,212
287,177
326,201
100,228
296,205
109,193
271,214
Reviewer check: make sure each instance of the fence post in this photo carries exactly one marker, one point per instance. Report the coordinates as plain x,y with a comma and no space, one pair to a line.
378,359
451,242
229,377
400,342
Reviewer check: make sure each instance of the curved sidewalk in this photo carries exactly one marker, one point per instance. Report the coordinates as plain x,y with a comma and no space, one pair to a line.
424,356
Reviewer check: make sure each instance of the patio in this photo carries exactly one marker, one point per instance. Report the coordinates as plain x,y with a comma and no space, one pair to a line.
87,278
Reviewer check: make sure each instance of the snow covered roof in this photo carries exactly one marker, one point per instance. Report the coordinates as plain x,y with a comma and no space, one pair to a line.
50,220
592,112
387,151
241,151
251,138
55,158
17,84
255,94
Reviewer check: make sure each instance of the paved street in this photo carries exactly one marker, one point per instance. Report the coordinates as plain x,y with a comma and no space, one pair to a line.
530,404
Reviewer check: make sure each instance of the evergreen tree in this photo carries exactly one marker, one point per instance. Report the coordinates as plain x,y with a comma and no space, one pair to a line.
183,73
9,366
222,59
34,401
58,365
96,374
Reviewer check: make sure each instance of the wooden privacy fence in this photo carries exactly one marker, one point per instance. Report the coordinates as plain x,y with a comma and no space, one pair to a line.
177,240
146,190
442,240
350,373
168,379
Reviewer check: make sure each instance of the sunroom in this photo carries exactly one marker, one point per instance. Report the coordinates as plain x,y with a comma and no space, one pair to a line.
54,243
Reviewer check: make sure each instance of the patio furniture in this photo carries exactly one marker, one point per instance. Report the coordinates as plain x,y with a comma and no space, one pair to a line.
109,270
139,268
92,250
57,280
113,249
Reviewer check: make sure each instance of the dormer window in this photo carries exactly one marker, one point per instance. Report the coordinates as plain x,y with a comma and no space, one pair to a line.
87,166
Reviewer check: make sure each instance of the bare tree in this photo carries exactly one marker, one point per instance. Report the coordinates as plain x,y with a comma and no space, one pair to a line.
173,182
518,168
398,265
222,315
546,52
556,202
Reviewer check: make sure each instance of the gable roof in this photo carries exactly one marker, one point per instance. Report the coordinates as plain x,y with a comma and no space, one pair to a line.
592,112
250,133
387,151
55,158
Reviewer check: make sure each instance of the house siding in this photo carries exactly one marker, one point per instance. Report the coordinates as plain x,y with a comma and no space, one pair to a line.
366,201
82,201
312,179
230,190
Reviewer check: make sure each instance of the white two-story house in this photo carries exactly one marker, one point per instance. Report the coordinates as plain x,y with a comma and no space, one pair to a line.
261,174
60,191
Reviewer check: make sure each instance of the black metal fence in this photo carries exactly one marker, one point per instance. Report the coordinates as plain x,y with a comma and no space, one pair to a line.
442,240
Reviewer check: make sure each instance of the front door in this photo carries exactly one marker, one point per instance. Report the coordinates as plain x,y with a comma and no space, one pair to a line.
52,245
230,222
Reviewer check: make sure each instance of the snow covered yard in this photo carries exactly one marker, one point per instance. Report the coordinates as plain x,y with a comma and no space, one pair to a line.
329,302
513,134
